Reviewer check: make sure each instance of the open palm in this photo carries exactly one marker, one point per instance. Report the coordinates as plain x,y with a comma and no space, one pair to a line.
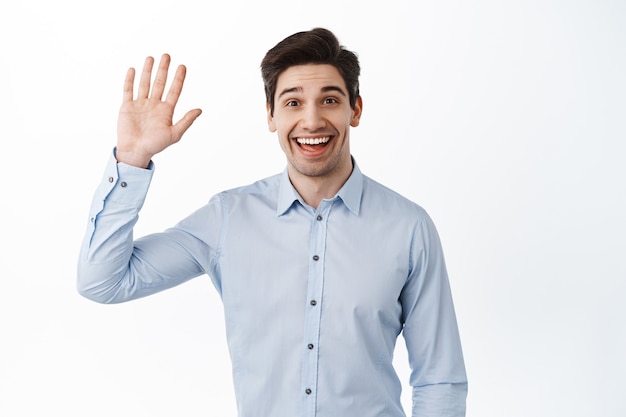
145,126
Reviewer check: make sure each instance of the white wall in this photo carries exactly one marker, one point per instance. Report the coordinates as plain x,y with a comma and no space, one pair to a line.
504,119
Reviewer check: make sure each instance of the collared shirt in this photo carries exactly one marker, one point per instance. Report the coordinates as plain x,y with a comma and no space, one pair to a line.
314,299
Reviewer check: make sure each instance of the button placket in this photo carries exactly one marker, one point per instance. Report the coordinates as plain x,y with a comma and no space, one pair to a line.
317,246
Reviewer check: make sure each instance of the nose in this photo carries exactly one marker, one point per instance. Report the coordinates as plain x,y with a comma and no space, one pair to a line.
312,118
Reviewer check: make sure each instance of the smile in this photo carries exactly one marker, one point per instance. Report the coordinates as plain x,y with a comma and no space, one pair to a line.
313,141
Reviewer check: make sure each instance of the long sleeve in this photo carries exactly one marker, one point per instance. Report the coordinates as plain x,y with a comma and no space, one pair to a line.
430,330
112,266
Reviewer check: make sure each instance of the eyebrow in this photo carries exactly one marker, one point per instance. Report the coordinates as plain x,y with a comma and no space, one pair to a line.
323,90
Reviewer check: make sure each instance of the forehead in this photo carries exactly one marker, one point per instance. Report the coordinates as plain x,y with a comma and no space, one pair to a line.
310,76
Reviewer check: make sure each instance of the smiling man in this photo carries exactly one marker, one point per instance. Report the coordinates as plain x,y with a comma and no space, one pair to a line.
319,268
312,115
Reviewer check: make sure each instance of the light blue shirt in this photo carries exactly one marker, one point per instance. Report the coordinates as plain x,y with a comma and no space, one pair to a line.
314,299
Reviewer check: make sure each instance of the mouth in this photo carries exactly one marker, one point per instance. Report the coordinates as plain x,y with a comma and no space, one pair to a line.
313,141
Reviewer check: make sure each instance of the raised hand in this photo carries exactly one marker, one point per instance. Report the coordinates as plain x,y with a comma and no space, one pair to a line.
144,126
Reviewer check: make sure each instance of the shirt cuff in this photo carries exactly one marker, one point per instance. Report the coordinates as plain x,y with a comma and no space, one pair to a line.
125,184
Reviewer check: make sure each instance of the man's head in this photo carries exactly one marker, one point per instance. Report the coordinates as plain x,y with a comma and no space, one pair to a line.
317,46
313,100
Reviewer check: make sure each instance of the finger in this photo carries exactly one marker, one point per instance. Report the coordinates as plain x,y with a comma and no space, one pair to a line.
146,74
183,124
161,78
129,82
177,85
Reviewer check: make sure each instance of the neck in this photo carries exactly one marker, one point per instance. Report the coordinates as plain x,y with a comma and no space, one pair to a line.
314,189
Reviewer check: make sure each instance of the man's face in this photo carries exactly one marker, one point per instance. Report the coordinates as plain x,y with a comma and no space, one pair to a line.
312,117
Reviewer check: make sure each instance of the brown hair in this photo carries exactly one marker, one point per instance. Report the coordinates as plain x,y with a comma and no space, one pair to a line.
317,46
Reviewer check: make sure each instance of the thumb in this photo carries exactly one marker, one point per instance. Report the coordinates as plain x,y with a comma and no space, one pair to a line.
183,124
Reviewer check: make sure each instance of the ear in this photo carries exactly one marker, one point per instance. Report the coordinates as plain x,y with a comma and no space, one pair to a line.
270,118
356,113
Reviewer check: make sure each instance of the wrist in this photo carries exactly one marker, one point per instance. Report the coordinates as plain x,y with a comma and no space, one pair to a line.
132,158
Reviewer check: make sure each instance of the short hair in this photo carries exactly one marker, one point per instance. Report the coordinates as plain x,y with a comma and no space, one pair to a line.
316,46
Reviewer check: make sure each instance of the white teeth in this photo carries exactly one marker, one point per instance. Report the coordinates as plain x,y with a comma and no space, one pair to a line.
312,141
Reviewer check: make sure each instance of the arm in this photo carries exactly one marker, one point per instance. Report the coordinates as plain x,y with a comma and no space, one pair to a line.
430,330
112,266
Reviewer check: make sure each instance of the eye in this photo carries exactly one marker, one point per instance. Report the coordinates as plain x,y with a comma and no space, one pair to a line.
330,100
291,103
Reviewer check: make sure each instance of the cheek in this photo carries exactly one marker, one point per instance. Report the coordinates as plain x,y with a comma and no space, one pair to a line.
282,127
342,123
281,132
285,145
283,135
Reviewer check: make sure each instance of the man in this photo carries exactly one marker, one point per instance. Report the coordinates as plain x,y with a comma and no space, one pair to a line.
319,268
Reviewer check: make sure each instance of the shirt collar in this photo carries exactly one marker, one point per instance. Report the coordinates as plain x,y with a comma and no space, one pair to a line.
350,193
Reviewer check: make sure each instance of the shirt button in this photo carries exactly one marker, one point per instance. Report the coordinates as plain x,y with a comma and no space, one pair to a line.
110,179
123,184
308,391
313,302
319,218
316,258
310,346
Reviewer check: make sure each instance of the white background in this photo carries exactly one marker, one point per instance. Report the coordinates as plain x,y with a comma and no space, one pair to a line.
504,119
